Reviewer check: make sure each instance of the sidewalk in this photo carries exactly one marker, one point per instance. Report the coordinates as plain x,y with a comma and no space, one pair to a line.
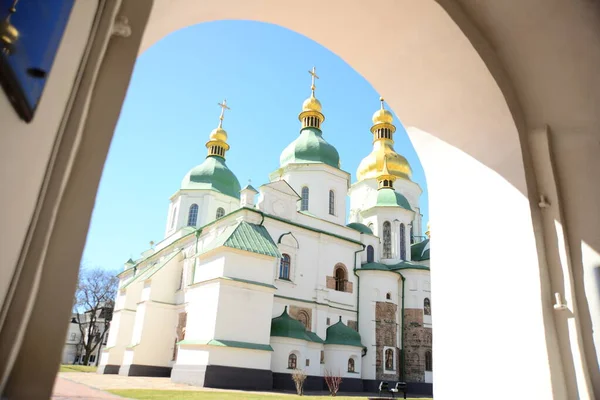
65,389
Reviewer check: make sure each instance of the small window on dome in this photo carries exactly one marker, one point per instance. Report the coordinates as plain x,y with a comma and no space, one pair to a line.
193,215
220,212
304,201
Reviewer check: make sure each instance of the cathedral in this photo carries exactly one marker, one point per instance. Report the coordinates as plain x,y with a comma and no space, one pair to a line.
249,284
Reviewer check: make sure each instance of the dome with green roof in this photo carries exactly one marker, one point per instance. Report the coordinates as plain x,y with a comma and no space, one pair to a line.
362,228
391,198
286,326
213,174
310,147
420,251
340,333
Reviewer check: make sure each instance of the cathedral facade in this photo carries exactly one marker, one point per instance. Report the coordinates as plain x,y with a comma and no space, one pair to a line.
249,284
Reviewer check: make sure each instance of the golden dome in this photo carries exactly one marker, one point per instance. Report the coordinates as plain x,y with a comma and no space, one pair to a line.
218,134
382,116
372,165
312,104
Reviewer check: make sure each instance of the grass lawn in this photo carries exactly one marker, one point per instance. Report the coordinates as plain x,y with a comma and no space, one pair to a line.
145,394
77,368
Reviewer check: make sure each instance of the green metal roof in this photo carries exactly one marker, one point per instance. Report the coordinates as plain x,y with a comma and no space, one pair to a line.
286,326
340,333
213,174
246,236
130,262
310,147
150,271
228,343
249,187
420,251
388,197
375,266
362,228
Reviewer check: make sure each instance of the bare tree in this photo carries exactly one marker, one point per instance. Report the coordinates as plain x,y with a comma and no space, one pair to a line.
299,376
94,303
333,382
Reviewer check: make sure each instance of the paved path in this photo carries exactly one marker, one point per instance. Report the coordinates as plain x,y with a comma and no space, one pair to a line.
65,389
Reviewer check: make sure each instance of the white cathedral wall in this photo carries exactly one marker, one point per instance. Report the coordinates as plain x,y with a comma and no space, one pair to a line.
153,336
336,360
209,266
208,202
119,337
249,266
320,179
244,313
283,347
203,301
316,258
396,216
418,287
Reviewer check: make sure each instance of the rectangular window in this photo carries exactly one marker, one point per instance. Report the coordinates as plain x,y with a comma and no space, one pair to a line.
328,321
307,362
92,358
322,357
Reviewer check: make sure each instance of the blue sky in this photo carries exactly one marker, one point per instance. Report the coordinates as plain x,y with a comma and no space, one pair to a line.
171,107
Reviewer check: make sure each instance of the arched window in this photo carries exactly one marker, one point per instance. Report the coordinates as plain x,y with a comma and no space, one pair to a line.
389,359
220,212
402,242
292,361
387,240
428,361
304,202
351,365
331,202
193,215
284,266
388,296
370,254
427,306
304,318
340,279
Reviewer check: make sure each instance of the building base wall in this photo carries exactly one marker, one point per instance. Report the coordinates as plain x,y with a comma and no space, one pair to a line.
145,370
109,369
223,377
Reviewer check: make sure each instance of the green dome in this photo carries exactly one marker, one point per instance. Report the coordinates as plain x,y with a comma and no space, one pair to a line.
213,174
391,198
420,251
310,147
362,228
342,334
286,326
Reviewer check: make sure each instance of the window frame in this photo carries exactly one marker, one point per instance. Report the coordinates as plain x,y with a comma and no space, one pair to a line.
285,258
221,211
304,198
193,215
387,240
428,361
351,365
340,284
385,352
402,241
426,306
292,359
331,202
370,254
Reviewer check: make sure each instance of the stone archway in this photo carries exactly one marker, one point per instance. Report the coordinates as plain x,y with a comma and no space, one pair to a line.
472,128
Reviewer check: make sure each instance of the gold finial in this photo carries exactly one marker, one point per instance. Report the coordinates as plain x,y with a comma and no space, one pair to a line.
223,106
314,76
381,100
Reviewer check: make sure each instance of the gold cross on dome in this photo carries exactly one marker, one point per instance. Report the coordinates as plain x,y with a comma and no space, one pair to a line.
223,106
313,74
